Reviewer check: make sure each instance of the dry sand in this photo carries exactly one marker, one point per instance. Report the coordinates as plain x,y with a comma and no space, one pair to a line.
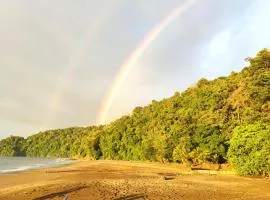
129,180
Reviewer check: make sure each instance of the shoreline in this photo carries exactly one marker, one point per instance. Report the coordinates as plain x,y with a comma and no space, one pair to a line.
105,179
25,167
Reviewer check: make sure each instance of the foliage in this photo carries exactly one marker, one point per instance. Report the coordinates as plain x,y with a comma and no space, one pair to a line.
193,126
249,150
72,142
12,146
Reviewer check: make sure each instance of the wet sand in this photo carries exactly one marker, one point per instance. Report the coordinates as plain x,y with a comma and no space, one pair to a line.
122,180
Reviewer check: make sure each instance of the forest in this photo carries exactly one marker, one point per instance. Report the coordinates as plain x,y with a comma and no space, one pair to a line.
225,120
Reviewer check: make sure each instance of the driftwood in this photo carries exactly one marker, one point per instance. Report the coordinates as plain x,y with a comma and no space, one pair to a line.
66,197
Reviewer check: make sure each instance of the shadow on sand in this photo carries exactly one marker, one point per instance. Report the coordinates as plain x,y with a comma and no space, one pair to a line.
132,197
65,171
168,176
60,194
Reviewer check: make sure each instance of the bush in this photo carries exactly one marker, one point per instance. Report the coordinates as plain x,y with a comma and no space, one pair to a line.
182,151
249,151
12,146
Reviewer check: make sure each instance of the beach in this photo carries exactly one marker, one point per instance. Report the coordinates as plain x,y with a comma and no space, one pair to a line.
128,180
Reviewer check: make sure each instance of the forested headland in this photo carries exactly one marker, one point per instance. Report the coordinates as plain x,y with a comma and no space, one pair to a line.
218,121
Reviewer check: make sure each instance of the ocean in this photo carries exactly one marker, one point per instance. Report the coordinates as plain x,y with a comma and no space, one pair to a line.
18,164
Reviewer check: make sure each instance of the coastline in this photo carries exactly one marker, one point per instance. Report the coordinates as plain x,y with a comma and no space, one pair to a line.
118,179
14,165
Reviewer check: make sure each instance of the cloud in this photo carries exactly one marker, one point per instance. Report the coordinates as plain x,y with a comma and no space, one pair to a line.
174,60
244,37
42,41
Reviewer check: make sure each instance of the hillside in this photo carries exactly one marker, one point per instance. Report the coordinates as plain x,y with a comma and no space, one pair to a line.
194,126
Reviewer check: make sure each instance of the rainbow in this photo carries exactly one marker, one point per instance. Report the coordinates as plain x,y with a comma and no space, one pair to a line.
135,56
75,59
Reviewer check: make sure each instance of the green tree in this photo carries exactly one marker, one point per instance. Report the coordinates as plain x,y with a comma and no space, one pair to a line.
249,150
12,146
182,151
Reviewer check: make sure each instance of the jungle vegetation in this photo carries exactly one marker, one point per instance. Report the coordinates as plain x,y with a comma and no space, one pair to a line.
222,120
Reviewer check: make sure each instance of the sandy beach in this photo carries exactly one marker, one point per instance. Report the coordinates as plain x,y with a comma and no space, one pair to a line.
128,180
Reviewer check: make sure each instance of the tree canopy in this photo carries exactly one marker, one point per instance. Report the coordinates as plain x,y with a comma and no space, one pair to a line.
249,150
193,126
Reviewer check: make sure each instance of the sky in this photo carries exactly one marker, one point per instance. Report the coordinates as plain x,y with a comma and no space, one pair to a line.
58,59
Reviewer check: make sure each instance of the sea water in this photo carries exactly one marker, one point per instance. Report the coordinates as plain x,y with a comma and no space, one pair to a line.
17,164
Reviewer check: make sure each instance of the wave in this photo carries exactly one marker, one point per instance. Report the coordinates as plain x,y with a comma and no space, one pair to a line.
24,165
24,168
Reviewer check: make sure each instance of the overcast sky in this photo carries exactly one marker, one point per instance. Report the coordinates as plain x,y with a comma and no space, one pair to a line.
58,58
